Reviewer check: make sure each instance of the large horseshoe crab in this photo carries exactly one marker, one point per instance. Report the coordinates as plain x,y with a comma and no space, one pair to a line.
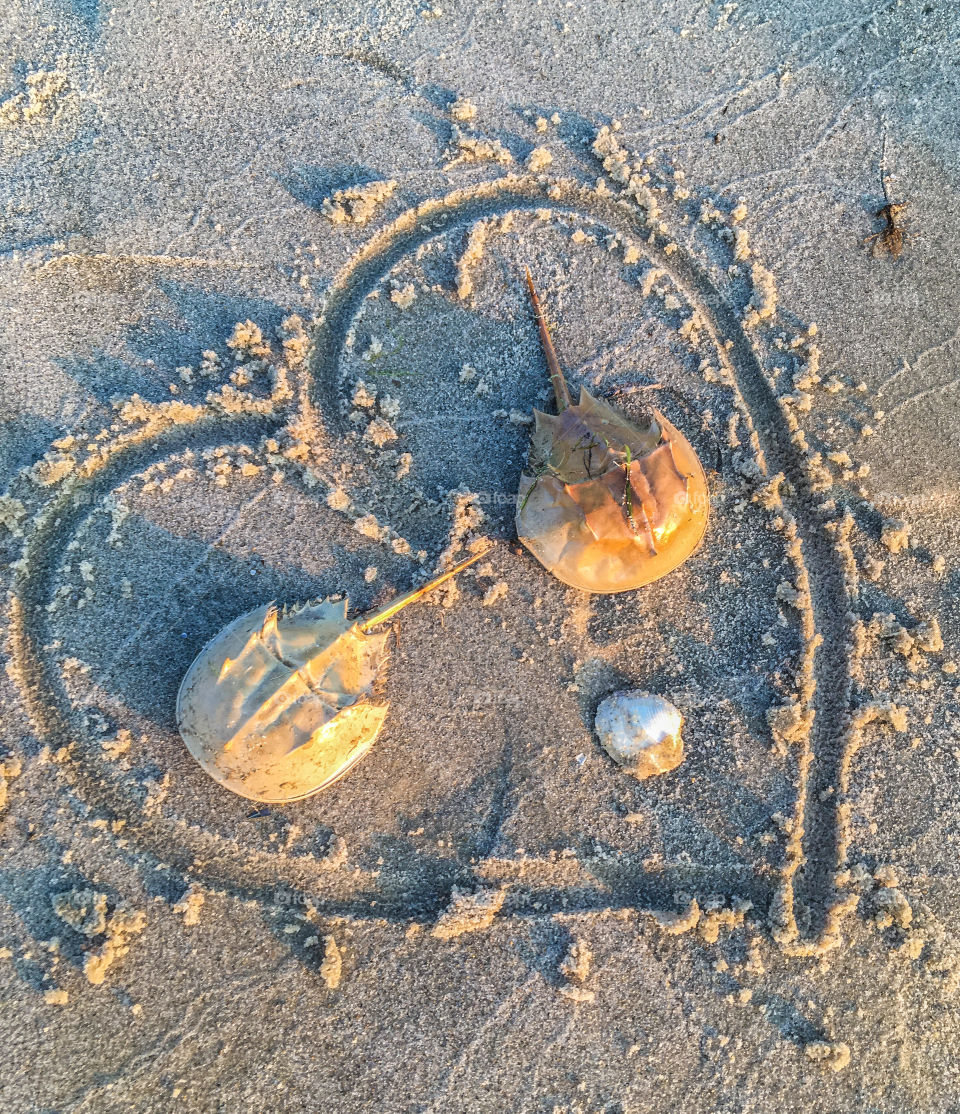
606,504
277,706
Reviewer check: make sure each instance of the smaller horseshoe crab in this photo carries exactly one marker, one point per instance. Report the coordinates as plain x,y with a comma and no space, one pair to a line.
607,505
276,706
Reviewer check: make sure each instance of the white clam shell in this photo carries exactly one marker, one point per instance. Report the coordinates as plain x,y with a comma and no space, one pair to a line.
275,707
641,732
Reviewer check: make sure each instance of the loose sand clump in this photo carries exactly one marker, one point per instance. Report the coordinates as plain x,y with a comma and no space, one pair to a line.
716,915
357,204
117,744
404,464
463,110
10,768
649,280
577,963
156,793
891,909
873,568
468,912
607,148
390,407
467,518
895,536
675,924
883,712
763,303
789,723
380,432
884,875
339,500
494,593
404,296
368,526
471,256
467,148
122,926
331,967
741,244
913,644
190,904
634,178
835,1056
791,595
247,343
708,917
539,159
43,89
84,910
928,637
364,396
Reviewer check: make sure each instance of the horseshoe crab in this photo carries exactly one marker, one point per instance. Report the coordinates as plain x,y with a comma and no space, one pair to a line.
276,706
606,504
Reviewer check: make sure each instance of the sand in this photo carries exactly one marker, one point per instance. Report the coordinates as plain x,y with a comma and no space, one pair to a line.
266,337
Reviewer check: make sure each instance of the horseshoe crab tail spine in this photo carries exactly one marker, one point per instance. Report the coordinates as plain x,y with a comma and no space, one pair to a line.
401,602
560,389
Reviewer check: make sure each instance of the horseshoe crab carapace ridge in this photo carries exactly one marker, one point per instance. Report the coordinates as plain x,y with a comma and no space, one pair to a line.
277,706
607,504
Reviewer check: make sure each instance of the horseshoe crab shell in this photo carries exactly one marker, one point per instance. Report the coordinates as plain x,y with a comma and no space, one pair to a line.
278,705
607,504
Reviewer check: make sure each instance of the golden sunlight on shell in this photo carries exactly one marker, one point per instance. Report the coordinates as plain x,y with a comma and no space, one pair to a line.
276,706
607,504
610,506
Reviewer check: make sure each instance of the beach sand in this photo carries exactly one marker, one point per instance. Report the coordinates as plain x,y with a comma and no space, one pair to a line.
266,338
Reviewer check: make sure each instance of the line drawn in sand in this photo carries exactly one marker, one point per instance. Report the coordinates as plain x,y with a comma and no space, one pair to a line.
819,729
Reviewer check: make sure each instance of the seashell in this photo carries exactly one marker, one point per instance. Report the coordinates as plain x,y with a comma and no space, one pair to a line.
641,732
607,504
277,706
